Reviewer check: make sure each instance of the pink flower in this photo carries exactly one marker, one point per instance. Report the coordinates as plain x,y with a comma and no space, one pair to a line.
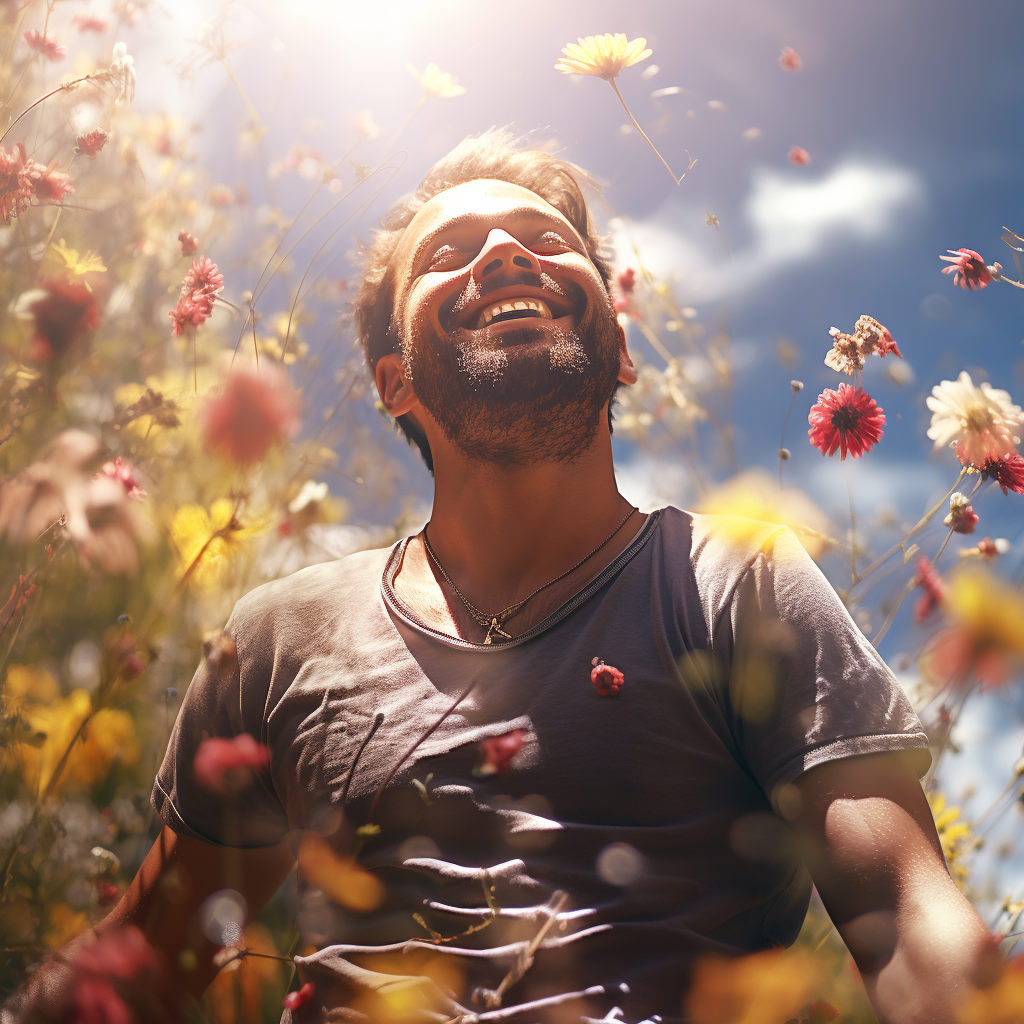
874,337
107,893
294,1000
847,420
15,189
626,281
47,183
192,310
799,157
606,679
89,23
89,145
988,548
49,48
203,276
496,752
225,766
1008,472
968,269
187,243
789,59
933,586
124,473
203,282
961,518
62,313
253,412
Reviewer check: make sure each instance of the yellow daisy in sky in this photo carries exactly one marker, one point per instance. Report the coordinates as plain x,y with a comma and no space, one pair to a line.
437,82
602,56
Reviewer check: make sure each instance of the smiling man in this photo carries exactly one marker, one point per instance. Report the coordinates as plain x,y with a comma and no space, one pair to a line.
578,747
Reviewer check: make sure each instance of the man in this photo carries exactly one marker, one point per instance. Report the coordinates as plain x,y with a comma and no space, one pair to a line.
578,747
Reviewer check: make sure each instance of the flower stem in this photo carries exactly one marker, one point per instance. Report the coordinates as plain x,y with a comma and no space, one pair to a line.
253,113
45,96
782,437
1006,280
675,180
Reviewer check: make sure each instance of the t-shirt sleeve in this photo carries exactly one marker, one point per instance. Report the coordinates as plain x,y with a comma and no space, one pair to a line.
226,698
803,685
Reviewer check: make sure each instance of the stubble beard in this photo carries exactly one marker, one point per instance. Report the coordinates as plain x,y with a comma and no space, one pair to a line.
518,404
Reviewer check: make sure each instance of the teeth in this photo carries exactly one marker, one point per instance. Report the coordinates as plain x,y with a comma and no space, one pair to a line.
506,307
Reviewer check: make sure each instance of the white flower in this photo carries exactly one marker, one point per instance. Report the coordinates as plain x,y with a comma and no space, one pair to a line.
982,421
310,494
122,74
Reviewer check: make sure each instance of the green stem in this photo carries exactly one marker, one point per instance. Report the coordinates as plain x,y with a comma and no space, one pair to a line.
611,82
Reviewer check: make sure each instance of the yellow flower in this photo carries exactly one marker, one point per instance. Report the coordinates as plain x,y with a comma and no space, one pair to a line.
954,834
29,684
207,540
343,880
436,82
602,56
65,924
76,265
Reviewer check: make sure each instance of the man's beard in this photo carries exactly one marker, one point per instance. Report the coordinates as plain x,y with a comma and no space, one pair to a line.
512,404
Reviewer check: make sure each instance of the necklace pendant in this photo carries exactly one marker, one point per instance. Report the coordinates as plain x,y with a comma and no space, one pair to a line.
495,628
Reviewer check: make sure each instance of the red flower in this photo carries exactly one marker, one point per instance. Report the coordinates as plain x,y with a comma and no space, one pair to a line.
626,281
187,243
203,276
203,282
606,679
1008,473
789,59
89,23
113,978
933,586
799,156
107,893
49,48
226,766
968,269
61,312
253,412
192,310
47,182
496,752
961,519
987,548
124,473
847,420
873,337
89,145
15,189
294,1000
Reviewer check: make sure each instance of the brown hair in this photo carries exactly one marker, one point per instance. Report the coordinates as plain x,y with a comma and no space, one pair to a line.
493,154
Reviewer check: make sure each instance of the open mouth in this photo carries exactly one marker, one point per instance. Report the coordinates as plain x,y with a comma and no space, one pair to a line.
516,306
513,309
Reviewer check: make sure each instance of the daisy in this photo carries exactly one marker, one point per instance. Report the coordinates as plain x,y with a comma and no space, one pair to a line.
981,421
968,269
848,421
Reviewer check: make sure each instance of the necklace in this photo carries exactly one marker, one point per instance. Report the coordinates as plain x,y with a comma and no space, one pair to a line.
494,622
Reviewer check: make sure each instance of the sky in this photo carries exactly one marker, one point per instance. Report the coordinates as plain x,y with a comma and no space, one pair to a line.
909,111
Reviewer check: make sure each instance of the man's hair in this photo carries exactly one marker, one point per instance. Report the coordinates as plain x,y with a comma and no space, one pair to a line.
493,154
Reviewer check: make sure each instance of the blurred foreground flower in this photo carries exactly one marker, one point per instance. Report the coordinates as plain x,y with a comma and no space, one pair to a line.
61,313
124,473
982,421
497,752
341,879
789,59
436,82
121,74
1000,1003
253,412
225,766
207,540
94,510
848,421
954,835
299,997
187,243
90,23
75,264
44,45
933,589
799,157
968,269
48,183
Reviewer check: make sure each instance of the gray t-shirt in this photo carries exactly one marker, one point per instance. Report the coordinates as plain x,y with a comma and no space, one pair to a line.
651,809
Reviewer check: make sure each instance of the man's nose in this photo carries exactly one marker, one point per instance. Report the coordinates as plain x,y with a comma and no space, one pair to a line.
501,252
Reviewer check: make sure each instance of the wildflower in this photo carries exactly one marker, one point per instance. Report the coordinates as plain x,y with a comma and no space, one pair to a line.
874,337
341,878
121,74
44,45
981,421
207,539
300,997
90,23
607,679
436,82
987,548
187,243
107,893
76,265
191,311
968,269
89,145
124,473
203,276
602,56
497,752
954,835
789,59
934,590
253,412
61,314
846,355
225,766
1007,472
15,190
48,183
626,281
961,518
847,420
799,157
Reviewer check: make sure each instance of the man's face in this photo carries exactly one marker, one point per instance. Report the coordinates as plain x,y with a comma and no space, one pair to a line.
508,334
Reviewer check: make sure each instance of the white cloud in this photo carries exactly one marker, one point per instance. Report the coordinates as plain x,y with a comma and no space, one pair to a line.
791,221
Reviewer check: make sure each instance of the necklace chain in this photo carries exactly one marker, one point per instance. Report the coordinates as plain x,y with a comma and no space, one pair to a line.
495,621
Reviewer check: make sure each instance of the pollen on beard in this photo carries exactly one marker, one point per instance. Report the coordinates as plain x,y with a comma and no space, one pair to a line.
482,364
567,352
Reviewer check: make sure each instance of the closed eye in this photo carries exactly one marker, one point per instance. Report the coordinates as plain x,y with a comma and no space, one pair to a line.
447,257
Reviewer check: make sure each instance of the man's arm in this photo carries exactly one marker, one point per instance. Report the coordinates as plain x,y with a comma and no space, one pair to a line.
876,860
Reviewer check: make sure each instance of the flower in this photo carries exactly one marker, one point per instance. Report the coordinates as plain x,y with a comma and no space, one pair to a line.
89,145
607,680
89,23
225,766
789,59
848,420
121,74
1007,472
497,752
203,283
962,518
191,311
124,473
987,548
44,45
954,835
799,157
203,276
187,243
981,421
602,56
76,265
252,413
846,355
932,585
294,1000
968,269
206,540
15,189
61,313
874,337
436,82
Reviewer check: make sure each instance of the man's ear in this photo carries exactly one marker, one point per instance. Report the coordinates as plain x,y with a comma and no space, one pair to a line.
395,389
627,371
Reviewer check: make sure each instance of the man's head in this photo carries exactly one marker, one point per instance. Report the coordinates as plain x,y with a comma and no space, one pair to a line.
485,312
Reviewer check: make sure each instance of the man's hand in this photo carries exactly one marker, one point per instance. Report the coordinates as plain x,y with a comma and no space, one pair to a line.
876,860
